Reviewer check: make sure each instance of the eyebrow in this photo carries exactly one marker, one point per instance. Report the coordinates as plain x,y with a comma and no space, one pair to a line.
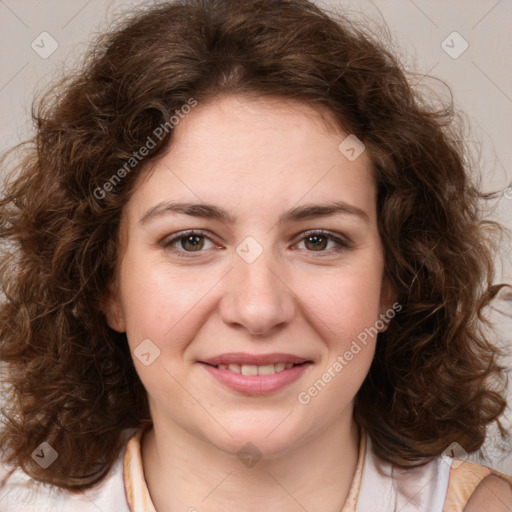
210,211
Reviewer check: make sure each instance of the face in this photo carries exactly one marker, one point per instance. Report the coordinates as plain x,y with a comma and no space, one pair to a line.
255,278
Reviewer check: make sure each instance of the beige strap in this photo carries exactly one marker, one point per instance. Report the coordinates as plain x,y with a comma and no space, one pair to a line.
464,479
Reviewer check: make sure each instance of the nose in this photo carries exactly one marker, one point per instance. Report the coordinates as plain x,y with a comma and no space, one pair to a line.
256,297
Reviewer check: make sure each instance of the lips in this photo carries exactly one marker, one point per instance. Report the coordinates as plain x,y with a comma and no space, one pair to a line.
256,374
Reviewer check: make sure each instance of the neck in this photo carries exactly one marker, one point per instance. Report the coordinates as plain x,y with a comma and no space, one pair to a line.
186,473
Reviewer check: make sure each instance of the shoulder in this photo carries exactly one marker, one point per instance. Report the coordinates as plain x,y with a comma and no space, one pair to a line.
493,494
473,488
21,493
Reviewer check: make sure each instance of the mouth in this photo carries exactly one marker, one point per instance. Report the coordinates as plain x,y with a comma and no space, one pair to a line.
252,374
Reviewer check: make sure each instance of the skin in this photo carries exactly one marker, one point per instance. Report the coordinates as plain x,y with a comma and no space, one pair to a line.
256,158
493,494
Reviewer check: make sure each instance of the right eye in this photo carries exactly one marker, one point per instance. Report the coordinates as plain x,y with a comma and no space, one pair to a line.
191,241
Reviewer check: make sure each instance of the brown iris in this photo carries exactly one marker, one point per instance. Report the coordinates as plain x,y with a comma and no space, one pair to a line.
195,242
316,244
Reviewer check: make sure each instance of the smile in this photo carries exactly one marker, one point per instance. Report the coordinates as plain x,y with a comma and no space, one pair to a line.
256,379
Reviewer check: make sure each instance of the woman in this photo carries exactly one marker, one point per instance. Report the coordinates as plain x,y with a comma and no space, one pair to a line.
246,270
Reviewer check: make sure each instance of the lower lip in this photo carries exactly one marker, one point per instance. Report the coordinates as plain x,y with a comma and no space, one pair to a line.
257,384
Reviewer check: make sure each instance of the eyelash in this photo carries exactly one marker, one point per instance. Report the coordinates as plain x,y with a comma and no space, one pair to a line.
343,245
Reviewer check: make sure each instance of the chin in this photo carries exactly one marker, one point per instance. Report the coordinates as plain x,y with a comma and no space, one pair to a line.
266,438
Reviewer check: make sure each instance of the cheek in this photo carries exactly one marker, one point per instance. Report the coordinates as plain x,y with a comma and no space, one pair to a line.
155,300
162,307
344,309
343,303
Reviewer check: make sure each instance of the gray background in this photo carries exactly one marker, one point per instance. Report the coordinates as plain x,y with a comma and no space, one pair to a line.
480,79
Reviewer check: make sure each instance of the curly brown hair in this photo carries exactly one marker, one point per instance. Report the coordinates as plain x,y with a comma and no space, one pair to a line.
70,380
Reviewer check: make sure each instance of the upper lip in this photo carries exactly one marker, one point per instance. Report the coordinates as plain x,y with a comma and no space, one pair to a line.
255,359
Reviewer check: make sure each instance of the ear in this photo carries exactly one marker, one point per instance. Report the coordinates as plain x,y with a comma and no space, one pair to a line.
388,304
112,308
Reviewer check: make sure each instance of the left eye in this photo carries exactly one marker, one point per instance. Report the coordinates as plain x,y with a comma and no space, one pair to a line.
320,239
194,242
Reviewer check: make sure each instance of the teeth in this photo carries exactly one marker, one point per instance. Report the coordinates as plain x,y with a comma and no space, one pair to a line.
249,369
252,369
267,369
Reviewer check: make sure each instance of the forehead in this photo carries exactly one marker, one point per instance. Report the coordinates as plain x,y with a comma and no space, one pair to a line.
248,126
250,154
